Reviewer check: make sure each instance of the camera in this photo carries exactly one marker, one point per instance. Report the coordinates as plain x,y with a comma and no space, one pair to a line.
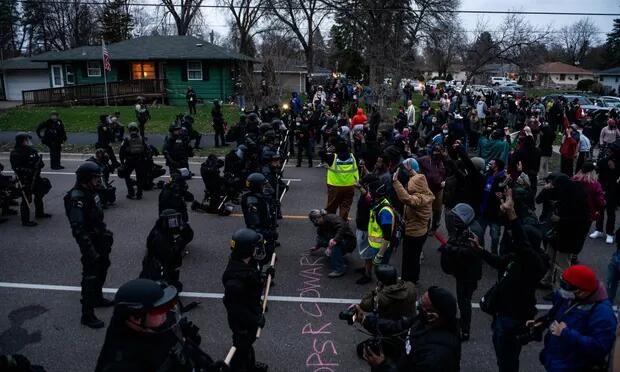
533,333
372,344
349,315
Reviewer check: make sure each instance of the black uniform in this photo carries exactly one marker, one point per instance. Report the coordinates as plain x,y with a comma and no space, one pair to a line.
27,164
164,256
107,192
133,153
126,350
85,213
243,286
142,115
302,135
275,187
52,134
174,195
258,216
191,98
218,124
105,136
177,152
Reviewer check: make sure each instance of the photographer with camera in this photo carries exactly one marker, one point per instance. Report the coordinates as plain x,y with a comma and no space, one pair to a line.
512,300
459,259
392,299
581,324
432,341
335,234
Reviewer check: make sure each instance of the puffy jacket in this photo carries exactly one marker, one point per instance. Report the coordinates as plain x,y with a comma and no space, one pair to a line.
391,302
418,204
588,337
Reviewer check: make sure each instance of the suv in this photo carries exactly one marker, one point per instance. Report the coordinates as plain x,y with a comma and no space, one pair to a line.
497,80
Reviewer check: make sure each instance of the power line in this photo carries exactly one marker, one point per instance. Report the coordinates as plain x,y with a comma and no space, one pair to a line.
390,9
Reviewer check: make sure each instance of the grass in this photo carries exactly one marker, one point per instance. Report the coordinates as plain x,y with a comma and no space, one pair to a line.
85,118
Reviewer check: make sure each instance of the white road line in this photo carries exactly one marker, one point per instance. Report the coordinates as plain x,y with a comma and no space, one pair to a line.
321,300
114,175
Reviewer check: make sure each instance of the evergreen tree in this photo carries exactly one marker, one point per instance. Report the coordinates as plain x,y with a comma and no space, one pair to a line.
116,21
8,29
613,45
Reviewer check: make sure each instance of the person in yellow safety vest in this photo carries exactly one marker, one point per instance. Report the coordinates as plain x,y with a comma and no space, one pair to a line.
381,223
342,175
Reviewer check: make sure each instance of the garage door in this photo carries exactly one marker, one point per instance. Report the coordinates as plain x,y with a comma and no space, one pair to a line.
17,81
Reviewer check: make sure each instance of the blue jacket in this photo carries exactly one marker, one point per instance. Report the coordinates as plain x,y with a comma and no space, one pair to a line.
588,337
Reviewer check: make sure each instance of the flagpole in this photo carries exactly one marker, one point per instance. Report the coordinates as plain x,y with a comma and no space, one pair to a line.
105,79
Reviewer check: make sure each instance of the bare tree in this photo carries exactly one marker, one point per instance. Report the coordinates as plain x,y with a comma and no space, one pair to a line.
303,18
577,39
442,43
246,16
184,13
505,45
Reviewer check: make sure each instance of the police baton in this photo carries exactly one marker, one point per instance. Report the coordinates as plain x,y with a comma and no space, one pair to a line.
230,355
28,202
285,190
267,288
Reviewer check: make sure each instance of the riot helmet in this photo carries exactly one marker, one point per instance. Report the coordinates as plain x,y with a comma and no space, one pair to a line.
171,220
21,137
142,297
247,243
87,171
255,182
133,128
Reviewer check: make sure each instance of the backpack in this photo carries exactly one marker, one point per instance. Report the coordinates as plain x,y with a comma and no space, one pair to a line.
136,146
398,230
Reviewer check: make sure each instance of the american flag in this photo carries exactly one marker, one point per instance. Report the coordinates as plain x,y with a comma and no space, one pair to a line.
106,57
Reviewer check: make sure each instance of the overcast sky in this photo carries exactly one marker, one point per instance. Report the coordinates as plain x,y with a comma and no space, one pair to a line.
217,18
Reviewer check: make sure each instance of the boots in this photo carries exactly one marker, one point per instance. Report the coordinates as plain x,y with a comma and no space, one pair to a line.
90,320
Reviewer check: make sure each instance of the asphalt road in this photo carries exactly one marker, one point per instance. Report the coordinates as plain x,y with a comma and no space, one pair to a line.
40,276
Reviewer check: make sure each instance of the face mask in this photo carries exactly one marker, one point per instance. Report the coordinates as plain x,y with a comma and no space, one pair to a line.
445,131
567,295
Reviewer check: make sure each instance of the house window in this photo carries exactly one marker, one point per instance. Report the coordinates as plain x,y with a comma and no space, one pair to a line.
194,70
576,77
70,75
93,68
562,77
142,71
616,79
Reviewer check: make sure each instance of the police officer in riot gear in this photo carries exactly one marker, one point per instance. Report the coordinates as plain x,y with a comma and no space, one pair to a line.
85,213
258,211
174,195
27,164
133,154
253,121
275,186
176,150
243,285
302,133
105,136
142,114
52,134
146,333
107,192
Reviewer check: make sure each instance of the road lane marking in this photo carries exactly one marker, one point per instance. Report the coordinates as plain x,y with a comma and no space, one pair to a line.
294,299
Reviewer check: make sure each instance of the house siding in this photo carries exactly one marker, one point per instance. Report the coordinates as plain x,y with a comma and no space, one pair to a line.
219,85
610,82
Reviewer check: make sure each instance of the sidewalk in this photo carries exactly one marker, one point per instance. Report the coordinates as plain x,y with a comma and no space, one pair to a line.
91,138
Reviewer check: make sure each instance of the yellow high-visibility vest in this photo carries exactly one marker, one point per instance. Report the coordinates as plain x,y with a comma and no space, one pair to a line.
375,234
343,173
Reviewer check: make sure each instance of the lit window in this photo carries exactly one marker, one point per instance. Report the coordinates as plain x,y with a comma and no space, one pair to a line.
194,70
70,75
94,68
143,71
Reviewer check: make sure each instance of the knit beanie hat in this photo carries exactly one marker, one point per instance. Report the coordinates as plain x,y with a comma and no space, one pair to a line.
443,301
581,277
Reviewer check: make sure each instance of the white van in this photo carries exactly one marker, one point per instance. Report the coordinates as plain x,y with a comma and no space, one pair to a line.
498,80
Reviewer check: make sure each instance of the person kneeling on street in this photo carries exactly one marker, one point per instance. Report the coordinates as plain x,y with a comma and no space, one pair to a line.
432,341
335,234
146,334
392,299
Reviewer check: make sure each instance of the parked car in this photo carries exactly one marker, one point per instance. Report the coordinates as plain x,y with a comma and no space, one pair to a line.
612,101
510,91
513,85
499,80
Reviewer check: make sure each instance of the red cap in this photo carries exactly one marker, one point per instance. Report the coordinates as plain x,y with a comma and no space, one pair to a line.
581,277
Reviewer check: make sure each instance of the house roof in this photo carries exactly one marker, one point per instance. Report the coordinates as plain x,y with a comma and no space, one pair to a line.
21,63
149,48
610,71
561,68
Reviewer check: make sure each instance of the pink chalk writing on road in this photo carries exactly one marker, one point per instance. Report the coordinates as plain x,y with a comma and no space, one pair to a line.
316,332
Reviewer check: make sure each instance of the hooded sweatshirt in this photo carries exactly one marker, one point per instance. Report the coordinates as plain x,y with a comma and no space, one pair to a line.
391,302
359,118
418,203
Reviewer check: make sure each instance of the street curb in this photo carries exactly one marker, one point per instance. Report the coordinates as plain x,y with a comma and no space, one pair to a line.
82,155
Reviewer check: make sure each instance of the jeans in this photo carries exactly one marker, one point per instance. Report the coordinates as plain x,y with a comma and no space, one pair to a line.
412,248
544,167
337,258
495,230
464,291
613,275
507,347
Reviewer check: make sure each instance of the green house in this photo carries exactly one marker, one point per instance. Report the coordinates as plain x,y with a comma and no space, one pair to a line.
177,62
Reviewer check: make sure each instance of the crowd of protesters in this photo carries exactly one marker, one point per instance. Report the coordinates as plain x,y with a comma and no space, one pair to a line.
473,163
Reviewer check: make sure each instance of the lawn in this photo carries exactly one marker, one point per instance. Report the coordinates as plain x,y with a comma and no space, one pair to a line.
85,118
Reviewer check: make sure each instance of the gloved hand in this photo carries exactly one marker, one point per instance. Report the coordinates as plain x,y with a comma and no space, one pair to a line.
332,243
377,260
190,331
218,366
268,270
261,321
